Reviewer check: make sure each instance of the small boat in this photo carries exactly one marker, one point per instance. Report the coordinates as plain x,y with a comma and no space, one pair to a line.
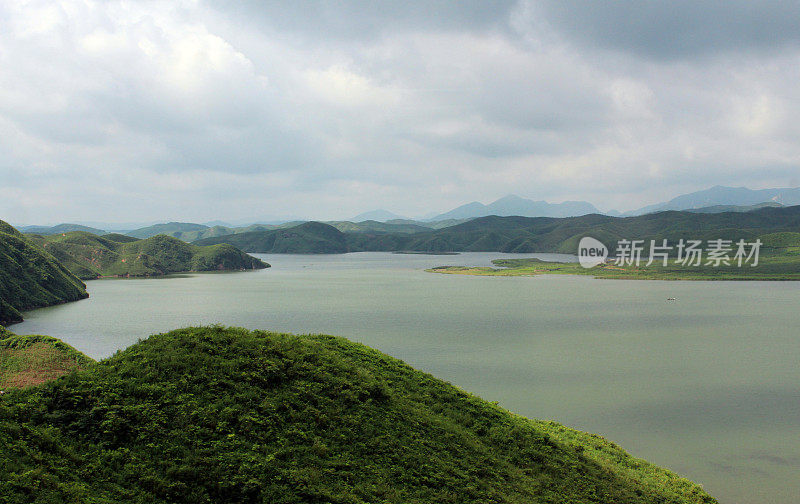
671,299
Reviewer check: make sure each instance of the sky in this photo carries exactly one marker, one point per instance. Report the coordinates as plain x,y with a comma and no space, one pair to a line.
123,111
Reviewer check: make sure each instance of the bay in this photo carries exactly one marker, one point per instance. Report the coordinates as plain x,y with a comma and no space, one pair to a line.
707,385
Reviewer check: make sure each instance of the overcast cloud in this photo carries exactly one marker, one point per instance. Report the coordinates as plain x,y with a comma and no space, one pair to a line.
129,111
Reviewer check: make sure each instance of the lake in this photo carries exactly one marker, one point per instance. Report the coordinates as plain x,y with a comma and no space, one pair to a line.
707,385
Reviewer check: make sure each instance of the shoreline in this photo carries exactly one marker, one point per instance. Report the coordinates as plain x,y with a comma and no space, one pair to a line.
536,267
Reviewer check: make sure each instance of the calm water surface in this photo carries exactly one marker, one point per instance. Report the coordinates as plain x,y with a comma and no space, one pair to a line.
708,385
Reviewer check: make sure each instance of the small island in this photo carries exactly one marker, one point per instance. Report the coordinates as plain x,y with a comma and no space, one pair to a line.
782,267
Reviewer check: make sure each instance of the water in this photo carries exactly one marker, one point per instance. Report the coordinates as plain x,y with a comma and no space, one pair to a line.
708,385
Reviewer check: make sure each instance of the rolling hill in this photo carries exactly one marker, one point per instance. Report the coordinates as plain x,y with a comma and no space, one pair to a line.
170,229
371,226
89,256
523,234
734,208
307,238
376,215
227,415
31,278
61,228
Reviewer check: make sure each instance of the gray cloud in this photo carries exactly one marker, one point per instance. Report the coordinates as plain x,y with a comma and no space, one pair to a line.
149,111
675,29
364,20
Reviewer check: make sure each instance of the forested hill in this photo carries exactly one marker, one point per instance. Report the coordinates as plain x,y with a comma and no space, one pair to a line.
228,415
31,278
306,238
90,256
522,234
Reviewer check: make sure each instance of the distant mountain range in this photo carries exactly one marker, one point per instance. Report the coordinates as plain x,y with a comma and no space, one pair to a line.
717,199
377,215
515,205
516,234
714,200
61,228
725,196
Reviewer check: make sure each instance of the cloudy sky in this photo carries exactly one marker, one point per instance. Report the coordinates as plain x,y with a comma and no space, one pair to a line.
200,110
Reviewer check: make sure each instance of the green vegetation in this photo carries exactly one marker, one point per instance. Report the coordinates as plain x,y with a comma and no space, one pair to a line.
31,278
121,238
307,238
169,229
30,360
779,261
61,228
195,232
734,208
371,226
521,234
228,415
525,235
89,256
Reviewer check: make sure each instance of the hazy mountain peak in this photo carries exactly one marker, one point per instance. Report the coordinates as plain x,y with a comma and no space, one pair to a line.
724,196
512,204
379,215
510,198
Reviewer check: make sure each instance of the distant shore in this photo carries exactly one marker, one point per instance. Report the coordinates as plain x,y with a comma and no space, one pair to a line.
771,269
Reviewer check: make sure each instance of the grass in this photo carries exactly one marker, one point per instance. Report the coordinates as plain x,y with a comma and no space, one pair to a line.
31,360
214,414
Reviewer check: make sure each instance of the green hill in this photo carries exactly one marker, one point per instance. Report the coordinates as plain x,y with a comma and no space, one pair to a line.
195,232
379,227
31,278
518,234
733,208
61,228
307,238
523,234
121,238
228,415
89,256
170,229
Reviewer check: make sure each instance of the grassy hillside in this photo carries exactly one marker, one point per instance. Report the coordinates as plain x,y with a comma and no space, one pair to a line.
31,278
31,360
228,415
89,256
